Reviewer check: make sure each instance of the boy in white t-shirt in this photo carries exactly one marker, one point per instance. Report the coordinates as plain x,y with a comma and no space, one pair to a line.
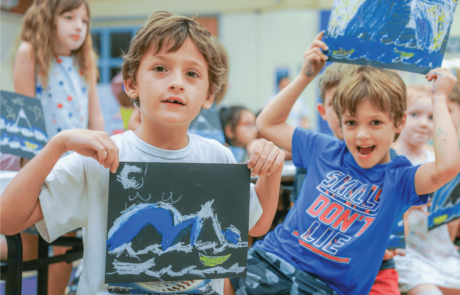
171,71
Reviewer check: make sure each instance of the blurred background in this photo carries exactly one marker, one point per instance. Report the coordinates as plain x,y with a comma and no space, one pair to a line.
265,40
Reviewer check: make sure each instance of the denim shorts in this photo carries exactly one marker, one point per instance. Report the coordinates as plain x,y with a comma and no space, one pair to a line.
270,274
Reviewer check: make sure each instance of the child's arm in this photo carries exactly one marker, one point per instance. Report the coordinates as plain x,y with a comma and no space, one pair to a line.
19,203
24,70
95,118
432,176
267,161
272,121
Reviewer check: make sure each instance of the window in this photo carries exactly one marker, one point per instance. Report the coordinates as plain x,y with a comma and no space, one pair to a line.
109,44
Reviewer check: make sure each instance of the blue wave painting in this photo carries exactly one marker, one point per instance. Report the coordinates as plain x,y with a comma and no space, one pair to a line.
409,35
445,204
172,223
397,238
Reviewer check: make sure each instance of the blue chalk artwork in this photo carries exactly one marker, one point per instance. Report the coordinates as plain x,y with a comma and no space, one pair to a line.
22,125
175,226
445,204
407,35
397,238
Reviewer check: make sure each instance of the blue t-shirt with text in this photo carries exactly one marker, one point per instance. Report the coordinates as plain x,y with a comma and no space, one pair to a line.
339,227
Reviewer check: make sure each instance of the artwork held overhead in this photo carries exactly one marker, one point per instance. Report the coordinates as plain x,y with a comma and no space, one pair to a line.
22,125
408,35
176,222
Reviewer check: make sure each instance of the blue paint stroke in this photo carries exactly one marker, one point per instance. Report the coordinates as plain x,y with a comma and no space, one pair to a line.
231,236
127,226
445,204
408,32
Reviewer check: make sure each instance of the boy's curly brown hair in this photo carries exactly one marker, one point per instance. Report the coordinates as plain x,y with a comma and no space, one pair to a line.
167,29
384,88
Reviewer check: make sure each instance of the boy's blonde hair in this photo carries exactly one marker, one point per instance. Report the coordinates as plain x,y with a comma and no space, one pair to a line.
332,76
384,88
39,27
167,29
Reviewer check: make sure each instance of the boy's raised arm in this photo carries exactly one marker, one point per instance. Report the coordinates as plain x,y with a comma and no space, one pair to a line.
19,203
272,120
432,176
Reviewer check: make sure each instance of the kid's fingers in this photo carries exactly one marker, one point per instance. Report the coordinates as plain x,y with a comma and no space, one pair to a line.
268,163
258,148
267,148
318,52
319,44
319,36
99,148
279,160
112,160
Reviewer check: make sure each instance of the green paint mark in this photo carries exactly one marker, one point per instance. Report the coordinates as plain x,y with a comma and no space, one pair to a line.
213,260
343,52
440,219
403,54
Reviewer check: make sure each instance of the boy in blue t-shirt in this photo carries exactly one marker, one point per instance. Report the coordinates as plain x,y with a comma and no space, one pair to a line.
334,238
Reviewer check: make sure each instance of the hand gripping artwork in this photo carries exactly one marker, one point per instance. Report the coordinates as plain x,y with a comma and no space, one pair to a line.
176,225
407,35
22,126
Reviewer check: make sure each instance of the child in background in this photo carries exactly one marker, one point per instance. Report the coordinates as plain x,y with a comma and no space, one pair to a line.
334,238
126,105
170,71
240,130
432,264
55,63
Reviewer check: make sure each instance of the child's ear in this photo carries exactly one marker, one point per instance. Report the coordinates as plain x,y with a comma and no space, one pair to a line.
401,124
207,103
229,132
321,110
131,88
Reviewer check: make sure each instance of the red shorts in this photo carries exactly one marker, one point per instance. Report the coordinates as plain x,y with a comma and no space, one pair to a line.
386,283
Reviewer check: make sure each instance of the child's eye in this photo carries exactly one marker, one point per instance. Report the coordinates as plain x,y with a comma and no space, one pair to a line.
376,122
192,74
413,114
85,21
350,123
68,17
159,69
430,117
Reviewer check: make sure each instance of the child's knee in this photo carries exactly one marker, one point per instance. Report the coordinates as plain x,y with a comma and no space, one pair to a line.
425,289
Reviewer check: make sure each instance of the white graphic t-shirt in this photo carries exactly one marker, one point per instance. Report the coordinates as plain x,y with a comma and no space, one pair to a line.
75,195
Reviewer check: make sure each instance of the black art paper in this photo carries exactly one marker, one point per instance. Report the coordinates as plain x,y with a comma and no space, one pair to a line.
176,221
22,125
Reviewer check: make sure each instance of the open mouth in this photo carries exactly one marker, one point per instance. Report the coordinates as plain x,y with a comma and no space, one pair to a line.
174,101
365,150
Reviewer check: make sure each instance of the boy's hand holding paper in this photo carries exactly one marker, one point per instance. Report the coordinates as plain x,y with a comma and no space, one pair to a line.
314,59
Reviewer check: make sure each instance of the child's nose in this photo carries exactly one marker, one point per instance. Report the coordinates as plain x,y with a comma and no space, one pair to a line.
176,83
362,133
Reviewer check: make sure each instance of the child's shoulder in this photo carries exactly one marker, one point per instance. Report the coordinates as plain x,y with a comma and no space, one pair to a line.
207,143
25,49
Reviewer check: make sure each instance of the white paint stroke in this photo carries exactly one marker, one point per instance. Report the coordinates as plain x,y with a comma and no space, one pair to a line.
127,182
127,268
